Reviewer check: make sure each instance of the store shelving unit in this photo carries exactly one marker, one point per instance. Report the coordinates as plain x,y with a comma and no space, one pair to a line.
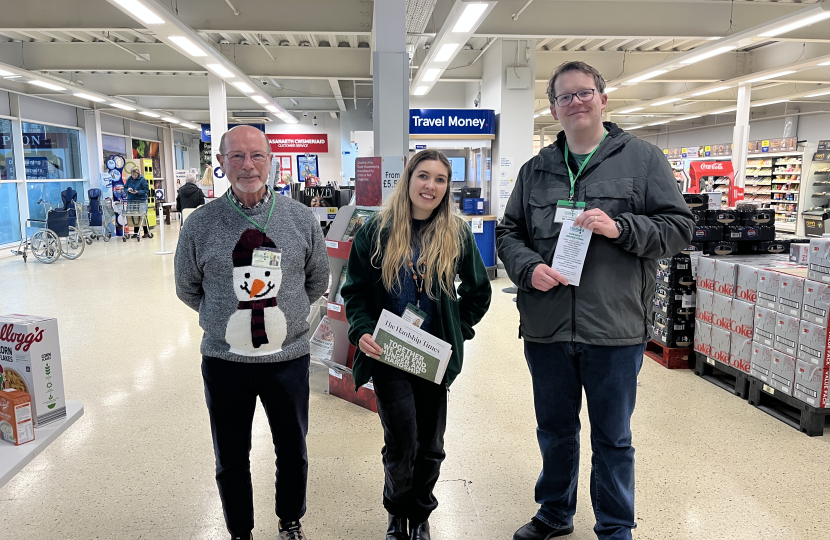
758,186
785,191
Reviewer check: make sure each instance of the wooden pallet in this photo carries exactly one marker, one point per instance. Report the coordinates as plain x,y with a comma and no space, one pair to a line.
791,411
670,357
730,379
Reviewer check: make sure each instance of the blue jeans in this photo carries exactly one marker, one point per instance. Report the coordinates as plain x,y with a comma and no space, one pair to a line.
609,376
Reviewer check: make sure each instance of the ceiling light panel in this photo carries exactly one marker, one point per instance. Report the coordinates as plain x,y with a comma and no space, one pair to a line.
819,94
610,89
432,74
220,70
631,110
771,76
4,73
259,99
708,54
171,120
421,90
659,123
806,21
50,86
665,102
122,106
710,91
446,52
769,103
89,97
150,114
187,45
469,17
243,87
140,11
649,75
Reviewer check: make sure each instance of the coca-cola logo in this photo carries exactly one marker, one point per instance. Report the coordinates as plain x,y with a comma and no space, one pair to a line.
723,322
725,289
711,166
707,316
20,340
721,356
749,295
743,329
739,363
706,283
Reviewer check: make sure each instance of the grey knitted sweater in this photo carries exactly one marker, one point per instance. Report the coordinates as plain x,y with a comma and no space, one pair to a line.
251,313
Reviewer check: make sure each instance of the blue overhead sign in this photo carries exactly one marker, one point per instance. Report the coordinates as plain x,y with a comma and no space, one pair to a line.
206,129
452,122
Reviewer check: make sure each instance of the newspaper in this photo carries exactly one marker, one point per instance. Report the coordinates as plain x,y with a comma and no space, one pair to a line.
321,343
410,349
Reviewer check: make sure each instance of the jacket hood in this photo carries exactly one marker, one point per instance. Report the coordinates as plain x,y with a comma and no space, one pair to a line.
189,189
552,157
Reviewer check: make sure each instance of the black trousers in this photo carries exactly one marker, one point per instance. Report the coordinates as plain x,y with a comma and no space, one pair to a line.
231,391
143,228
413,412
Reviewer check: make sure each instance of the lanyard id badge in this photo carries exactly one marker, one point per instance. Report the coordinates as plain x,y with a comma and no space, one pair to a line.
414,316
568,211
267,258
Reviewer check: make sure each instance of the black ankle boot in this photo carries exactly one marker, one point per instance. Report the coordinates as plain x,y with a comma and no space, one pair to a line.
396,529
419,531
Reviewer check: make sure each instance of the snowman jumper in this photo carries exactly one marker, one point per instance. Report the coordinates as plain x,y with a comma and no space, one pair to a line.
252,312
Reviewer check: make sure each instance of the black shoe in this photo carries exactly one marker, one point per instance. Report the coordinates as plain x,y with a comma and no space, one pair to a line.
419,531
250,537
396,529
536,530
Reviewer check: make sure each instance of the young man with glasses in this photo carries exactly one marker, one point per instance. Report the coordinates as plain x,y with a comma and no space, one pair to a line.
251,263
593,336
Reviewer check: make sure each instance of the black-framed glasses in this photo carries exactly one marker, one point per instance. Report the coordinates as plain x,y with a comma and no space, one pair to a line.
239,157
563,100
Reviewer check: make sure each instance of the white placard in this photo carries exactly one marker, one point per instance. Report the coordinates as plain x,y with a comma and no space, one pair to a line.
391,171
478,225
571,250
332,244
334,307
506,182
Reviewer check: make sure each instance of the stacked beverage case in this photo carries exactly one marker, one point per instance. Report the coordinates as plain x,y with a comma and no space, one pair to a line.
767,316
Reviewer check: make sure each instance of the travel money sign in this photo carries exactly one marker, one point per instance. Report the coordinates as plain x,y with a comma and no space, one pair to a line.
452,122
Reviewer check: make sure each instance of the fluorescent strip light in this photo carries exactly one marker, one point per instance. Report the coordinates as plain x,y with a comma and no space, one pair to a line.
632,109
171,120
89,97
432,74
610,89
546,111
536,115
633,128
220,70
150,114
421,90
295,102
819,94
122,106
710,91
140,11
649,75
12,77
446,52
471,14
723,111
273,109
189,125
659,123
688,117
4,73
769,103
705,55
259,99
807,21
664,102
50,86
243,86
771,76
824,64
187,46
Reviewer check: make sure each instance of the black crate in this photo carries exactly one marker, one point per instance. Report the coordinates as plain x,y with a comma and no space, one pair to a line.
670,307
700,216
770,246
749,233
674,323
727,216
708,233
699,247
763,216
672,280
730,379
679,264
696,200
792,411
721,248
674,340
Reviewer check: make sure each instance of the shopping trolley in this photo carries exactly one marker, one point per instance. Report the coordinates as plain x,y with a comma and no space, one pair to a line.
82,222
107,218
56,238
135,213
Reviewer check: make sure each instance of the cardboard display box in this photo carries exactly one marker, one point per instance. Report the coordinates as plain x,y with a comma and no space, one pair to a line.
811,384
706,274
764,332
790,295
786,334
816,303
703,338
800,253
722,311
704,306
746,283
16,425
818,260
740,352
782,372
812,344
30,355
742,319
342,385
725,277
721,345
761,362
768,283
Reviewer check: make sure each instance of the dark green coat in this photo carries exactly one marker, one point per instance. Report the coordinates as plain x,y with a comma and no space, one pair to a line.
363,295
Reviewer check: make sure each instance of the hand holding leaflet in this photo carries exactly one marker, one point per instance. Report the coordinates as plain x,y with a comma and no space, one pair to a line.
571,249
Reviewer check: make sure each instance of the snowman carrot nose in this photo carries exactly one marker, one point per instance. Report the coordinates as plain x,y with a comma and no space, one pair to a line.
257,286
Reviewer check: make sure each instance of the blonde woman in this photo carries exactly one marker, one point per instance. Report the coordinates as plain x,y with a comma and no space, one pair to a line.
410,254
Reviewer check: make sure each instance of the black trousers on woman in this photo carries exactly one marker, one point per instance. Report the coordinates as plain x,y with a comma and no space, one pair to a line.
413,412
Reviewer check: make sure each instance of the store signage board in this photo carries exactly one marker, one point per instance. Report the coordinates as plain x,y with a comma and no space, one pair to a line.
368,182
420,147
452,122
206,129
765,146
823,145
822,156
292,143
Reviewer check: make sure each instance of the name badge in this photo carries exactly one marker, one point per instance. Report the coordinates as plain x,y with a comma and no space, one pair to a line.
414,316
568,211
267,258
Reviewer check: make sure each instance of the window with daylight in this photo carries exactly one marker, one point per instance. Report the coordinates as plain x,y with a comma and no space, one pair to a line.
6,153
9,214
51,153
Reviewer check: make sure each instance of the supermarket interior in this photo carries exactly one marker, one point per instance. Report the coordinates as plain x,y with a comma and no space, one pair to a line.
111,117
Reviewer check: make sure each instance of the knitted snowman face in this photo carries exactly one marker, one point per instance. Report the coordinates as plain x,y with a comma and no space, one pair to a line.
253,283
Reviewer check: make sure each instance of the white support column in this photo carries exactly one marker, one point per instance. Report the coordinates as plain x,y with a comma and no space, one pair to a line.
168,164
740,135
514,101
542,137
218,126
19,161
390,79
94,147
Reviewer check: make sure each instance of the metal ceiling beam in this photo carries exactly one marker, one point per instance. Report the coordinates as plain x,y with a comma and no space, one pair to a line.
580,44
338,95
596,46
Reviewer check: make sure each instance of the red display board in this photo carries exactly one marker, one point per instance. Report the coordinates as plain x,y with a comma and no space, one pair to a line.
368,182
701,169
292,143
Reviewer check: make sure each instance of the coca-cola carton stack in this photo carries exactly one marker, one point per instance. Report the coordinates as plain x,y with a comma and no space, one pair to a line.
811,384
703,337
764,333
816,303
790,295
818,260
721,345
761,362
782,372
722,312
746,284
768,282
740,352
786,334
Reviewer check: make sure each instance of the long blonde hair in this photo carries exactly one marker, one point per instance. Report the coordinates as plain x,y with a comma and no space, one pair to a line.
440,242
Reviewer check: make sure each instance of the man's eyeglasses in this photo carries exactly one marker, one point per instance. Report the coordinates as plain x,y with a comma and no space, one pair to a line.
239,157
563,100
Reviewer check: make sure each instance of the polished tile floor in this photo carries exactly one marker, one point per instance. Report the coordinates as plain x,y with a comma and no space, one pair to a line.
139,463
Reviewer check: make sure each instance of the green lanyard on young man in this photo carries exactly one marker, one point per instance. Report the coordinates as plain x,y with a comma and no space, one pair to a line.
246,216
581,168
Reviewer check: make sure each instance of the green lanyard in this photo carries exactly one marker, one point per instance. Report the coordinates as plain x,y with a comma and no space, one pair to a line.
243,214
584,163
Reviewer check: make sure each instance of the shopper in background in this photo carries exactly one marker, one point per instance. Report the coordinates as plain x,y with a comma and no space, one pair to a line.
409,255
253,280
137,190
592,336
190,195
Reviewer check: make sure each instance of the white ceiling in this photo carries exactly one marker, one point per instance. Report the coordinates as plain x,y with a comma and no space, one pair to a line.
314,48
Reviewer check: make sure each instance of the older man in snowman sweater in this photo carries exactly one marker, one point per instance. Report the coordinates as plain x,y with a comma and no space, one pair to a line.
251,263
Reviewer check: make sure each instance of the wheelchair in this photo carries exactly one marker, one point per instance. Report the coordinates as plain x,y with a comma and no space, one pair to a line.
57,238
